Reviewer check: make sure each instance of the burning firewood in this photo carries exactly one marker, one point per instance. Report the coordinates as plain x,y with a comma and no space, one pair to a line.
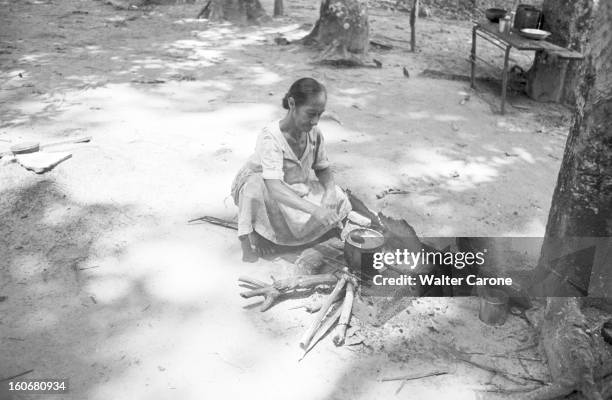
340,330
307,337
325,326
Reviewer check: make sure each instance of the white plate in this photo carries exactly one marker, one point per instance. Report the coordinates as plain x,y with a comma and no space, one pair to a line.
537,34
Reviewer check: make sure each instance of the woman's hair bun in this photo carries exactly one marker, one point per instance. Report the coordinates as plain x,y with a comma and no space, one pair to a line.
301,90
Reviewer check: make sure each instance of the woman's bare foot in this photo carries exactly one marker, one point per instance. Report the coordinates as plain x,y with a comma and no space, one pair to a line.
263,247
248,255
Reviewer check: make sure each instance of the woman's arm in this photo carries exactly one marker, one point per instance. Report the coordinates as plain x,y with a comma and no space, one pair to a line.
283,194
326,177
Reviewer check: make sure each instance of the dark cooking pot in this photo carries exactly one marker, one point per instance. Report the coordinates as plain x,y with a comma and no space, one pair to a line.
494,14
359,248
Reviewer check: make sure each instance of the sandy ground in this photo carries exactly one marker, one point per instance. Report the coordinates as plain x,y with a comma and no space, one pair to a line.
107,285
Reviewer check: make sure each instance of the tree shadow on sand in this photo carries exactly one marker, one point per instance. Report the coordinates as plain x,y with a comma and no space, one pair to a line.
51,323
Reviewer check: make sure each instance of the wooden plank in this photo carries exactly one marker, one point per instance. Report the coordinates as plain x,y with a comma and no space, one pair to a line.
41,162
519,42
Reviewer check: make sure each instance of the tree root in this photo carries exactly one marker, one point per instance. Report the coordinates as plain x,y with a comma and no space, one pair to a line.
572,354
237,11
336,54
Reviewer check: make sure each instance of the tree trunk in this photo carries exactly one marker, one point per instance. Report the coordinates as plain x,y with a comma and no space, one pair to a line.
237,11
552,78
342,29
582,202
581,210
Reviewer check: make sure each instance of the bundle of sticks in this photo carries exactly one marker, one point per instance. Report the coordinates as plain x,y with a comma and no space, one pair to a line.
329,312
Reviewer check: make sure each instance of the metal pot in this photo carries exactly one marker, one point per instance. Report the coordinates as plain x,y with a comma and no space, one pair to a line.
494,14
359,248
493,306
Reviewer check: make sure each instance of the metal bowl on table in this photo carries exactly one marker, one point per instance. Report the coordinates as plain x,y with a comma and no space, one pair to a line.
495,14
535,34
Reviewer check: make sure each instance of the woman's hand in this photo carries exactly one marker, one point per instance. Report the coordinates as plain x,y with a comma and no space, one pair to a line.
325,216
329,199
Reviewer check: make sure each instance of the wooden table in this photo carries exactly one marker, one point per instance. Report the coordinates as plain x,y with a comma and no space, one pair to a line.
506,41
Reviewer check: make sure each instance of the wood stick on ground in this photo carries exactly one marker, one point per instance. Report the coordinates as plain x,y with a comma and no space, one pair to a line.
306,338
325,326
527,347
340,330
386,46
506,356
497,389
415,376
17,375
465,357
508,375
523,366
407,378
216,221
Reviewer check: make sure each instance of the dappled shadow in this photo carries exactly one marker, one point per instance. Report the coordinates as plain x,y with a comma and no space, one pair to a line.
61,305
162,55
458,173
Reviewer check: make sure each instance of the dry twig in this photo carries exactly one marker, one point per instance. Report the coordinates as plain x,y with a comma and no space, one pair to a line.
413,377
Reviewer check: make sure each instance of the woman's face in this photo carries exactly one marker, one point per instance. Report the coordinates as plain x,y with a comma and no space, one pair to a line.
306,116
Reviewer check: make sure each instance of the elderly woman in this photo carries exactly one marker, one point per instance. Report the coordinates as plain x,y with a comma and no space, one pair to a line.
279,199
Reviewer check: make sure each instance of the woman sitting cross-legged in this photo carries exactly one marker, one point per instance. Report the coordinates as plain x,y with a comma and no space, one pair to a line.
279,200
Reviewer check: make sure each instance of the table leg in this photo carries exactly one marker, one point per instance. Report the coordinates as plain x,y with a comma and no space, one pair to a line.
473,57
505,80
562,74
